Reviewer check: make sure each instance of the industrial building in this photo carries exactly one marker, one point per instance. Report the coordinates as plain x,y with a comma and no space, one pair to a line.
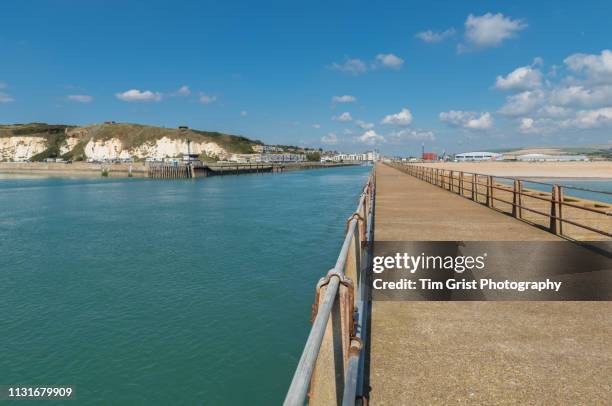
551,158
477,156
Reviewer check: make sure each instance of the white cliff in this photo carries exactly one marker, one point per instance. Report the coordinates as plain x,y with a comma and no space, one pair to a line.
20,148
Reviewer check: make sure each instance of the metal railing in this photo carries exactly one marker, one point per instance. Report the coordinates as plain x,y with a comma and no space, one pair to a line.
331,368
591,217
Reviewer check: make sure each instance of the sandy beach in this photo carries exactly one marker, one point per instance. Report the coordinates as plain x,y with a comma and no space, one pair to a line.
602,169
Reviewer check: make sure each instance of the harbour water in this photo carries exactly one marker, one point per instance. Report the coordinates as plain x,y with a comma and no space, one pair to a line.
142,291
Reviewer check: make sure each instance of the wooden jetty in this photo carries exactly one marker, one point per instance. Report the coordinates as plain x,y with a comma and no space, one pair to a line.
197,170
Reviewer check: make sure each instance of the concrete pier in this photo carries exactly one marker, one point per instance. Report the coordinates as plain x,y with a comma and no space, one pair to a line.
478,352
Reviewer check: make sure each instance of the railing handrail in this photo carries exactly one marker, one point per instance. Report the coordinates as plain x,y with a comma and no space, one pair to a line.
300,383
524,179
555,197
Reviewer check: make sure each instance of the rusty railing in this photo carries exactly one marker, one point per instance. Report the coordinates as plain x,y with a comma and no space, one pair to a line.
564,215
331,368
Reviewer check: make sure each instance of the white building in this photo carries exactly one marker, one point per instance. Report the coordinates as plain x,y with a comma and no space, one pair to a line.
269,158
551,158
365,157
266,149
477,156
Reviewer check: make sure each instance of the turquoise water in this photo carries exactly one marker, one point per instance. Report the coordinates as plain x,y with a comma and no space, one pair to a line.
166,292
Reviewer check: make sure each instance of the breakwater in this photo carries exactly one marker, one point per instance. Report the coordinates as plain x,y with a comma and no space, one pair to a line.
155,170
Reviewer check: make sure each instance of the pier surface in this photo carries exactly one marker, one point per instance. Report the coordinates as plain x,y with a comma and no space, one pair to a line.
478,352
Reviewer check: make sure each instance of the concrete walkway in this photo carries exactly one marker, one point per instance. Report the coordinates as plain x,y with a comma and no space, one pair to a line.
479,352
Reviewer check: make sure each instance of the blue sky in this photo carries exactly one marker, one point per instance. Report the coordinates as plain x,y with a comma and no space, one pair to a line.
454,75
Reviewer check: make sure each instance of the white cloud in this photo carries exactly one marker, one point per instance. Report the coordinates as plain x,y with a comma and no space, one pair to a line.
490,30
330,139
469,120
413,135
430,36
206,99
390,61
80,98
363,125
370,137
590,118
526,125
352,66
3,85
6,98
244,113
522,103
344,99
523,78
582,95
135,95
346,116
316,125
403,118
182,91
597,68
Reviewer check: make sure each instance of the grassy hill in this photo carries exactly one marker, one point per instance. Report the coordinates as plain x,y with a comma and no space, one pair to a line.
130,135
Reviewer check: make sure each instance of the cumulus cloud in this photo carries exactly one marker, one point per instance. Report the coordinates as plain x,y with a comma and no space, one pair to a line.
587,119
80,98
490,30
390,61
523,78
469,120
522,103
413,135
582,95
403,118
597,68
357,66
370,137
346,116
352,66
430,36
330,139
316,125
363,125
526,125
6,98
182,91
344,99
207,99
135,95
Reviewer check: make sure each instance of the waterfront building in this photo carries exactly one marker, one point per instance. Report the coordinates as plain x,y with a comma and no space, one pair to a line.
370,156
477,156
551,158
266,149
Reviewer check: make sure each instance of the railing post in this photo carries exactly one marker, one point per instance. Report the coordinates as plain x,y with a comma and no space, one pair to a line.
461,183
561,196
492,200
474,187
327,383
553,209
515,198
519,185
